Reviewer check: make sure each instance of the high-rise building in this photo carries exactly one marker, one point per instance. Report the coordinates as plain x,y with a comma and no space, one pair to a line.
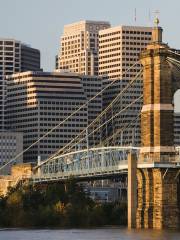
92,86
14,57
30,58
119,49
79,47
10,53
126,125
39,101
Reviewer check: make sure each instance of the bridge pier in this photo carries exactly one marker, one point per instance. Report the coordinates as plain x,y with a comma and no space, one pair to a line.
132,190
157,181
158,205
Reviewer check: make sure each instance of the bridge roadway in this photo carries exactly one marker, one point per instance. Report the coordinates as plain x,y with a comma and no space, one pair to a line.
96,163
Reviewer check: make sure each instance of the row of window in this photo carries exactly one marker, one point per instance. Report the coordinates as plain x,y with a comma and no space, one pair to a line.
125,32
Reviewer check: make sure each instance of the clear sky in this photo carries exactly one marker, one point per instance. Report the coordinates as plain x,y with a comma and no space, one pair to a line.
40,22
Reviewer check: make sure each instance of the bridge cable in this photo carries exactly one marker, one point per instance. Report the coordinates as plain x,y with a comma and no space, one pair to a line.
124,128
72,114
174,52
97,118
129,105
108,107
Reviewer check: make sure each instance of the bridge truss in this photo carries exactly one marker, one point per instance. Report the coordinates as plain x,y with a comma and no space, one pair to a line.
86,164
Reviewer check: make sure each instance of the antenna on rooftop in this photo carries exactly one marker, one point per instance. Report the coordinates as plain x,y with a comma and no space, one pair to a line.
149,17
135,18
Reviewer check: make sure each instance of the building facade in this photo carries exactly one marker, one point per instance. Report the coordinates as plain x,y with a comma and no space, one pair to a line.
125,123
79,47
11,144
14,57
119,49
92,86
39,101
30,58
10,52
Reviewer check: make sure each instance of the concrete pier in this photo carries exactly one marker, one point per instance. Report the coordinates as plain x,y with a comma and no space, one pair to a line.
132,190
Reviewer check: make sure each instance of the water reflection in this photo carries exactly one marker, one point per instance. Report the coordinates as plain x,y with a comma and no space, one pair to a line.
89,234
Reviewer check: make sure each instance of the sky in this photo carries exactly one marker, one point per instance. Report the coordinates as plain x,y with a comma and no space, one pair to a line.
39,23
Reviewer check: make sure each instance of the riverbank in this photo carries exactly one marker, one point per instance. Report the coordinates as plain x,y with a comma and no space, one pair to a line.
57,205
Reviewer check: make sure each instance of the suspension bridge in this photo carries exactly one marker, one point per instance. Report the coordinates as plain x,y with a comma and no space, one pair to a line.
154,167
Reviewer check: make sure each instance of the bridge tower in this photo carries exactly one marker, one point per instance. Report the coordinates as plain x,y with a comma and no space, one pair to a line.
157,181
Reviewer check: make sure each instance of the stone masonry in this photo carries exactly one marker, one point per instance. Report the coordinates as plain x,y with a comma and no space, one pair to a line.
158,187
158,205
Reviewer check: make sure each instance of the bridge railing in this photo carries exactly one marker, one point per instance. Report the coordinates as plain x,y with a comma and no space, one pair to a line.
160,159
82,173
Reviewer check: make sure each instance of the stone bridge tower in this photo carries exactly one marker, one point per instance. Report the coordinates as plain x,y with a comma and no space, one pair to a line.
158,180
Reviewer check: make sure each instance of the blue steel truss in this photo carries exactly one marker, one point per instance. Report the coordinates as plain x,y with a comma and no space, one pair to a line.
87,163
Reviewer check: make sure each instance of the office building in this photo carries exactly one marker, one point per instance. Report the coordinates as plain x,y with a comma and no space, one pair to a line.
119,49
79,47
92,86
39,101
30,58
10,52
14,57
11,144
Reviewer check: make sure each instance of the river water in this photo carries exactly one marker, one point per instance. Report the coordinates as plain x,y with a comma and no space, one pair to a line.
89,234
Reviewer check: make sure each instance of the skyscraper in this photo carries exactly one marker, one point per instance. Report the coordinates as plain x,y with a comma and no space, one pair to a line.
14,57
30,58
79,47
92,86
43,100
119,49
39,101
10,54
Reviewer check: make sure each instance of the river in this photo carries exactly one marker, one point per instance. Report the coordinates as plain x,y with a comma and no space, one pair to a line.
88,234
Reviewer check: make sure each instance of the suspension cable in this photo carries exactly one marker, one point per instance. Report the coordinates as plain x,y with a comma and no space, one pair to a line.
174,52
72,114
173,60
176,64
122,129
129,105
117,114
95,120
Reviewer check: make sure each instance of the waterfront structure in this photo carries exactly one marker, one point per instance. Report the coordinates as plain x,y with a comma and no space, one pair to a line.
119,49
156,169
79,47
14,57
37,102
11,144
107,190
158,188
105,194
